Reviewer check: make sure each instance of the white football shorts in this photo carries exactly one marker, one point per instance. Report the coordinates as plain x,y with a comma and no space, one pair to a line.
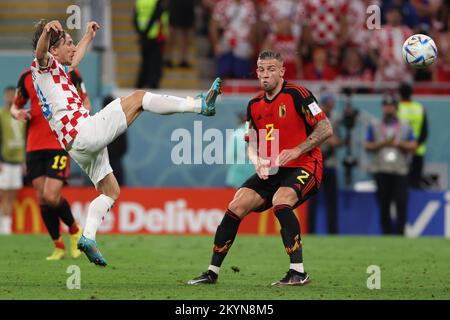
94,134
10,176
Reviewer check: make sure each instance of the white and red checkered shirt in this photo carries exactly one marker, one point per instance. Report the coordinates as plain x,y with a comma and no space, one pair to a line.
389,41
59,100
324,18
235,19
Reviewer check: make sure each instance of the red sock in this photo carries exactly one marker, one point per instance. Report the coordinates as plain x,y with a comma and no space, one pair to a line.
59,244
73,228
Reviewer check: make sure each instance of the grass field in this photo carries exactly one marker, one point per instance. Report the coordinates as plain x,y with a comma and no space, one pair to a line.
158,267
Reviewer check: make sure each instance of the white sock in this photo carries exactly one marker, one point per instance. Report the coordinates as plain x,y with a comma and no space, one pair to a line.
164,104
297,267
214,269
5,224
97,211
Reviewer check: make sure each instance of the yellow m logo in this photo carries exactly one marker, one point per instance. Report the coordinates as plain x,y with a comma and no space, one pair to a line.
20,209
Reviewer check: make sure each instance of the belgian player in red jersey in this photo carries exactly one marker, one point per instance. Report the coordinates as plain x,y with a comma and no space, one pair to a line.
48,165
288,116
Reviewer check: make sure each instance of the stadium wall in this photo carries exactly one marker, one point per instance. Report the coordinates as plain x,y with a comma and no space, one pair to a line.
191,211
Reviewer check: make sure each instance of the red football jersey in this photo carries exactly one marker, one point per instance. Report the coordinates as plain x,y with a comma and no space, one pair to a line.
287,119
40,135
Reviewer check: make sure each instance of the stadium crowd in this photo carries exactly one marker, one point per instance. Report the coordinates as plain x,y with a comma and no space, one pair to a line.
328,40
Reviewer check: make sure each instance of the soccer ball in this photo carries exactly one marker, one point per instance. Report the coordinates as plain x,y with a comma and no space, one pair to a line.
419,51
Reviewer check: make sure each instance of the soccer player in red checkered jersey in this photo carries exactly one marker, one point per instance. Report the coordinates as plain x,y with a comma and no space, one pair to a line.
48,164
286,116
86,137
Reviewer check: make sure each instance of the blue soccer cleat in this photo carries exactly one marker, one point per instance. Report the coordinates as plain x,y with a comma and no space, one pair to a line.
209,98
89,247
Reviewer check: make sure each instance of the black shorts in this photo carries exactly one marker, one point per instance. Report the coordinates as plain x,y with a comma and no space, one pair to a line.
181,13
301,180
49,163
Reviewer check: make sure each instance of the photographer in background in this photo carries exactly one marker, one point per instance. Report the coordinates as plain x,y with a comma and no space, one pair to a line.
391,141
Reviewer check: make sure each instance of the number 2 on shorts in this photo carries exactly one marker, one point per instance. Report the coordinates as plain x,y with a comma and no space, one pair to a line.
303,176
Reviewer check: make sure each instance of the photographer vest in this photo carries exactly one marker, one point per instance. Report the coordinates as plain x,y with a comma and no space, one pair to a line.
390,159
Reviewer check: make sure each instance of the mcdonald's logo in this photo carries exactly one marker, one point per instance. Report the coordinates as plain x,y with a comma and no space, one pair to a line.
21,208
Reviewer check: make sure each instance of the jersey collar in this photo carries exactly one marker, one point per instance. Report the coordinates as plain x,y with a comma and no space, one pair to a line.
276,96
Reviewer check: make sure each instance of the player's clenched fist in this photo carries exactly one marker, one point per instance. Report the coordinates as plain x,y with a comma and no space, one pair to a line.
92,28
262,168
55,25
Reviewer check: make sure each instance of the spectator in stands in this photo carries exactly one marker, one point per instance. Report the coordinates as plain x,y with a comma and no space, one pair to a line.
12,156
357,15
240,168
408,11
353,67
325,24
441,70
150,21
231,30
116,150
329,189
385,51
426,10
391,141
319,68
283,40
414,113
181,21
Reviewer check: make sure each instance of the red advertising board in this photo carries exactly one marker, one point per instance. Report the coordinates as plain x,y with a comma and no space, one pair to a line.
152,211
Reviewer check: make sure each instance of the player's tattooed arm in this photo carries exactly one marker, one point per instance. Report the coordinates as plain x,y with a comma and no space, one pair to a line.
82,46
42,46
321,132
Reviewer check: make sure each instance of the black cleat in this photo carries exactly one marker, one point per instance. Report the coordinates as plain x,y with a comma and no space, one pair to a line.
208,277
293,278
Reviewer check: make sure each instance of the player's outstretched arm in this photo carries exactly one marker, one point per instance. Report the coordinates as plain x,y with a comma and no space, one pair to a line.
82,46
43,42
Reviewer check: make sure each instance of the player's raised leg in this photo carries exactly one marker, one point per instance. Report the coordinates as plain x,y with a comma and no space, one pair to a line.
109,192
139,100
245,201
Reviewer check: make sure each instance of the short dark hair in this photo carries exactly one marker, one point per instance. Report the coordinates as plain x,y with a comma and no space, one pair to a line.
405,91
54,36
267,54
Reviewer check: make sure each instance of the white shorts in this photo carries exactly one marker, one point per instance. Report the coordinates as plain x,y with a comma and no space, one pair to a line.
10,176
94,135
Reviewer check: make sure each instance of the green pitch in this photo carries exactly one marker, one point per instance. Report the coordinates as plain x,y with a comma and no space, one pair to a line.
158,267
